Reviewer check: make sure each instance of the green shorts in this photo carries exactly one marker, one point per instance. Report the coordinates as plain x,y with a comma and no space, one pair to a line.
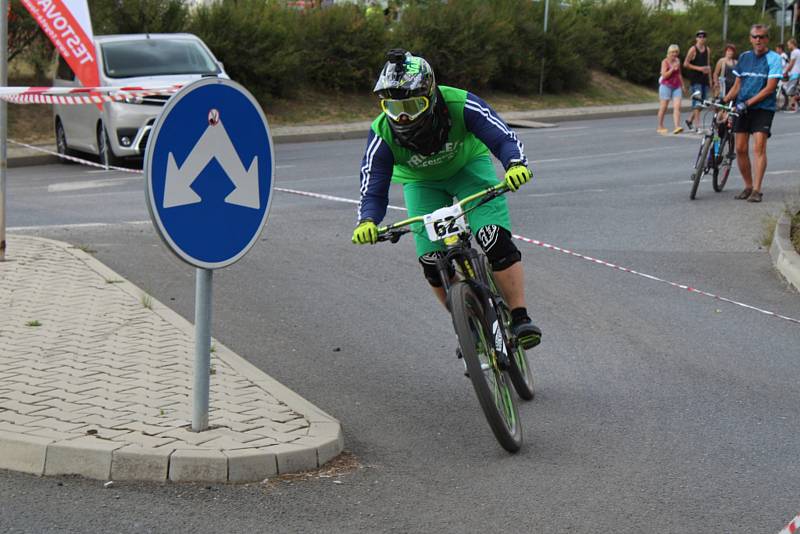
427,196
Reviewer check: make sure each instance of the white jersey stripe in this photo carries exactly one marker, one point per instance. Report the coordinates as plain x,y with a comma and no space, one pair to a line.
494,119
366,169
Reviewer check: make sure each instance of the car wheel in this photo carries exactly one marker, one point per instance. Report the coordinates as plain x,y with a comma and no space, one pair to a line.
104,150
61,142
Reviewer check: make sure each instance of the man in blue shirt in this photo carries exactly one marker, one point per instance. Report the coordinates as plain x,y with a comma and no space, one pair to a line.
757,75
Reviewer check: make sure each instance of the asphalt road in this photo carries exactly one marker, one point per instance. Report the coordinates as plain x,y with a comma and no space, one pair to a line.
657,409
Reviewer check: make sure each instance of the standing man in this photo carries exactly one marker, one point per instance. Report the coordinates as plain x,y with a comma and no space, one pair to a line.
698,62
792,70
757,75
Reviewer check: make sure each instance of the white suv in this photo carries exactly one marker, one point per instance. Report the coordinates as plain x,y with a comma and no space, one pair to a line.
120,129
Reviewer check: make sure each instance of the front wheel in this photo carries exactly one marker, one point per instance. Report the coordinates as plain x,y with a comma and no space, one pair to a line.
104,150
723,170
61,142
700,167
478,348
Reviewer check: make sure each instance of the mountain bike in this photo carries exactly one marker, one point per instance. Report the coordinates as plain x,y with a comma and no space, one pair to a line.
717,152
481,318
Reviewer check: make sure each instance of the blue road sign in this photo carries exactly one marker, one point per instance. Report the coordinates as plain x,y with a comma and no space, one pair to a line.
208,169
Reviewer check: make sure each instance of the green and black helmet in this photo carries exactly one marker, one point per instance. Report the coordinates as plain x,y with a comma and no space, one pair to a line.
409,98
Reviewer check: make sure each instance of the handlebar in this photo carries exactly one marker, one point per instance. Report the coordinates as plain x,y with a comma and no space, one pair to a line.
714,104
393,232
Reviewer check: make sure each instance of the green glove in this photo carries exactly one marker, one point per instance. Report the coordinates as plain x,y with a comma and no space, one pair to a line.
365,233
517,175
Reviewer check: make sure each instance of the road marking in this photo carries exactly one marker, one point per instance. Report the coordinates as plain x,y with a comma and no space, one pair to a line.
88,184
558,129
603,155
578,191
72,226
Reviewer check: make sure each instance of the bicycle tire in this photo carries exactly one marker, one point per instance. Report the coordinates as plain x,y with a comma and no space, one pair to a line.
519,369
723,170
782,99
699,167
490,383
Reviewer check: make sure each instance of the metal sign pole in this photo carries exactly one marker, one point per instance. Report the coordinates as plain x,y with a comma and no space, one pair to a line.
541,76
783,17
725,24
3,124
202,350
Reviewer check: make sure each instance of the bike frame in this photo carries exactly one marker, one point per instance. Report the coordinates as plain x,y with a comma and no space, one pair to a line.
708,136
460,254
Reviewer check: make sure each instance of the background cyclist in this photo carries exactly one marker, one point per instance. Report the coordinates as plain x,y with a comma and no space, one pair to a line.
435,140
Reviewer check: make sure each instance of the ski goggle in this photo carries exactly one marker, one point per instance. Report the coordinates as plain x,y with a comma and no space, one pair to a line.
410,107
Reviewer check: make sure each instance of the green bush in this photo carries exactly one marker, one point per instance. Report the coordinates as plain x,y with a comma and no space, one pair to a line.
342,49
257,41
139,16
461,40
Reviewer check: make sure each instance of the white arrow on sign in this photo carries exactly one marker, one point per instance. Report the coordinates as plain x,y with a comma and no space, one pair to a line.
214,143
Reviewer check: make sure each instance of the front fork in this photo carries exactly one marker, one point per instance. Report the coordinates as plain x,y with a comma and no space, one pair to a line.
474,271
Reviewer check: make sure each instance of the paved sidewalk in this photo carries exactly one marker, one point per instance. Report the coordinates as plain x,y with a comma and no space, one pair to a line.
96,377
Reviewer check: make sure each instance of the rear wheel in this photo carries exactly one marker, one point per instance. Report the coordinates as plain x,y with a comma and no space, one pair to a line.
478,349
782,99
519,370
700,167
723,170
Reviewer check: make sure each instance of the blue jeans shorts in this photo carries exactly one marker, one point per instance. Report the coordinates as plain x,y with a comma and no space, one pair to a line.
693,88
666,92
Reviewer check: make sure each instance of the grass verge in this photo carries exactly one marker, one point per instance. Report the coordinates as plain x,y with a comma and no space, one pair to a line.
33,123
795,232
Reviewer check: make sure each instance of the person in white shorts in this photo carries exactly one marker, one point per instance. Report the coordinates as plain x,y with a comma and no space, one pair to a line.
793,71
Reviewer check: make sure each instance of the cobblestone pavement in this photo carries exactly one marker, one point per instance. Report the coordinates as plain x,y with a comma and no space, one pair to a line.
96,378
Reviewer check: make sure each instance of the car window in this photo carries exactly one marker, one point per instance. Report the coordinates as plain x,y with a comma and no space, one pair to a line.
64,72
154,57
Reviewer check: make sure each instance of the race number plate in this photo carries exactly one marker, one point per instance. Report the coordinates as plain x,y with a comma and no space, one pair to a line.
445,222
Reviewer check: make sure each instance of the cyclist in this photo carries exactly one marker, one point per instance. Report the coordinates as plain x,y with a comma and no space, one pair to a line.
435,140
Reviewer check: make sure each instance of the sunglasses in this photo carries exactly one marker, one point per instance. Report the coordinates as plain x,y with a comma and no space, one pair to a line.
410,107
759,36
701,35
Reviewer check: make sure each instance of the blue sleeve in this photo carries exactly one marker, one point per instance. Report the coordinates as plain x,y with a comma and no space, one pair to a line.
376,176
775,66
487,126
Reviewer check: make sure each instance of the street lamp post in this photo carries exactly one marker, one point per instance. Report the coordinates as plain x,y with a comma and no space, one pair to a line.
541,76
3,123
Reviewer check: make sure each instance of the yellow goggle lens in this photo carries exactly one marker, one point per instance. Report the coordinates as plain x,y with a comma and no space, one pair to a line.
411,107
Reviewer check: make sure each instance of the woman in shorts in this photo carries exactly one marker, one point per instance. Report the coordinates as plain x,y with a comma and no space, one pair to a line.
670,89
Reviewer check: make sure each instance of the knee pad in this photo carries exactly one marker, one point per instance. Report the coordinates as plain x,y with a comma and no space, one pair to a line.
499,248
429,269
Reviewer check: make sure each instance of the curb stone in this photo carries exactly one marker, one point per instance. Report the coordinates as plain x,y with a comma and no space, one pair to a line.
52,452
784,256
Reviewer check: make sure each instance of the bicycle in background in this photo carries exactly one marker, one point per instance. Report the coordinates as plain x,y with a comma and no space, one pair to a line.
481,317
717,150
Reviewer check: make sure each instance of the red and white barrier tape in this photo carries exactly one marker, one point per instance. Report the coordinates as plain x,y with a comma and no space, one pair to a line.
74,159
80,95
536,242
792,527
